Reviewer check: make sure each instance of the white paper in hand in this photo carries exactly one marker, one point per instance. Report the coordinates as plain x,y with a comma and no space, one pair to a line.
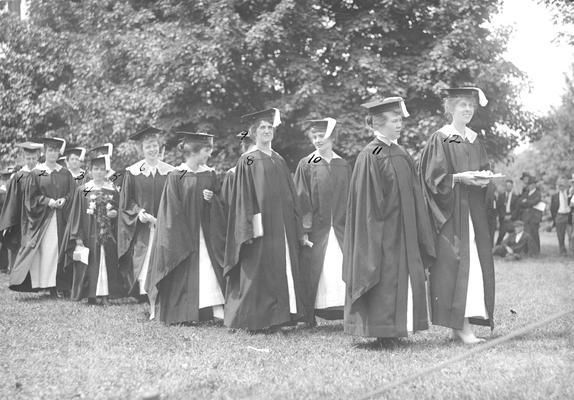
81,254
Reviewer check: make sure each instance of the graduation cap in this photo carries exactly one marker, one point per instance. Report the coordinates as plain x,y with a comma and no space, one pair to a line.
102,160
525,175
30,147
272,115
468,91
104,149
52,141
379,106
145,133
79,151
63,161
326,125
195,137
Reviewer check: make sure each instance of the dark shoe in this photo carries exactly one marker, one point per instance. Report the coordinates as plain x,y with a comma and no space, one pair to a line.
92,301
53,293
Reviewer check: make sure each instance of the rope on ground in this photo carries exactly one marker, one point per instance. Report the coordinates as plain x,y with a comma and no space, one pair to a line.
378,392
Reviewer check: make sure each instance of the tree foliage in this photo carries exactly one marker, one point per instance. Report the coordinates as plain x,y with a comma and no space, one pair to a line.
94,71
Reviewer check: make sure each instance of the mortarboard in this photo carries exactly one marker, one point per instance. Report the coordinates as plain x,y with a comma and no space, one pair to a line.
195,137
30,147
56,142
327,125
146,132
468,91
63,161
103,159
104,149
379,106
79,151
273,115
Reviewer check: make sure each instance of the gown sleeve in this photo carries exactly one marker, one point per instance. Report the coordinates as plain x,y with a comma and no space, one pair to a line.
437,181
11,209
74,228
128,211
243,206
362,255
303,187
173,240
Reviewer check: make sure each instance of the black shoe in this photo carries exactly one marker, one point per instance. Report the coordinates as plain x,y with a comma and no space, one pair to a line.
92,301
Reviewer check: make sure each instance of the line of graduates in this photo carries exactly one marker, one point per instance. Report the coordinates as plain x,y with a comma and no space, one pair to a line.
384,246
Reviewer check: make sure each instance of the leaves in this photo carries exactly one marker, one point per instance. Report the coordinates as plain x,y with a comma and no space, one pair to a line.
95,71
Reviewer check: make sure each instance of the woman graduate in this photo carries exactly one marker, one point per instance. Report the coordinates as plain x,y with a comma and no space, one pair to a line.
47,194
388,236
184,271
142,186
462,277
322,183
74,158
263,233
92,228
12,216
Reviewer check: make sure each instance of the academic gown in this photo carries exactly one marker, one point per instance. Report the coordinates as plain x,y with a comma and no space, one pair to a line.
43,231
262,291
90,281
184,270
80,178
322,188
12,217
4,258
449,207
141,189
388,242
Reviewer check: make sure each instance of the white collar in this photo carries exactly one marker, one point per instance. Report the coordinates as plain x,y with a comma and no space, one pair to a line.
518,236
384,139
25,168
107,185
531,191
316,153
202,168
44,167
142,168
76,175
450,130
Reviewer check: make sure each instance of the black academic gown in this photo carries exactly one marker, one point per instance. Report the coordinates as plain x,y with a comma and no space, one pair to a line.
12,217
257,294
449,208
139,190
174,266
84,226
40,187
388,238
81,178
322,188
4,258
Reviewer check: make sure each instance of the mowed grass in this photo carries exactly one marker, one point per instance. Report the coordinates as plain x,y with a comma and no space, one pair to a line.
58,349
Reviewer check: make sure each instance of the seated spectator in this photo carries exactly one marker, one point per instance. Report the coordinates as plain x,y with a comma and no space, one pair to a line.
516,244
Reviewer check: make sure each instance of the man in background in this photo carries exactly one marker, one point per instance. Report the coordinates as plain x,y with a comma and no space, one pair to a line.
517,244
561,213
531,212
507,208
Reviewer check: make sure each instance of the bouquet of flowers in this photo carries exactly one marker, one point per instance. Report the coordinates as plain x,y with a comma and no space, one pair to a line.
100,204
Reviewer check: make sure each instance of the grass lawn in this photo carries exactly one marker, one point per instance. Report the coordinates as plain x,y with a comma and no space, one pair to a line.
58,349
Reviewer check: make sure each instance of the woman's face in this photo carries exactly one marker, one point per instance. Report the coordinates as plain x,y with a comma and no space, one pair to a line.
201,156
150,149
98,172
51,153
74,161
320,142
31,159
389,124
463,111
264,133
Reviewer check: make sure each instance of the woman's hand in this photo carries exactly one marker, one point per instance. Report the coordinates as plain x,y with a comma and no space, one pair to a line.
207,194
112,214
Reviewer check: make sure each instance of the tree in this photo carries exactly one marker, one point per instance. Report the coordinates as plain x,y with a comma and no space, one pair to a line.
104,68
